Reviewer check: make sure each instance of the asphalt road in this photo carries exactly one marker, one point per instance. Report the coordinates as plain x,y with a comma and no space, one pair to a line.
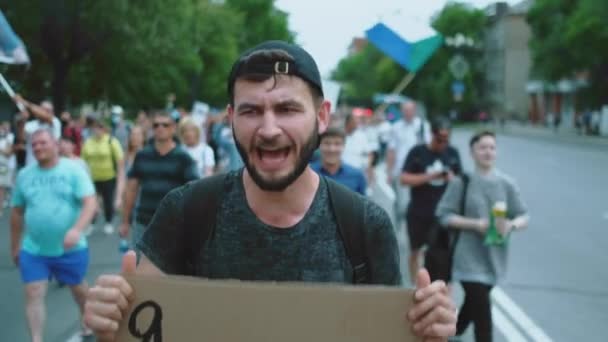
558,272
556,288
62,312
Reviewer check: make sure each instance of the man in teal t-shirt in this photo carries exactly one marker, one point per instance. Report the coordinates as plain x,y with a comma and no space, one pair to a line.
53,201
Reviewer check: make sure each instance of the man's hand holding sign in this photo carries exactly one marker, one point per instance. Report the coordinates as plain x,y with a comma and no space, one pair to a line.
112,307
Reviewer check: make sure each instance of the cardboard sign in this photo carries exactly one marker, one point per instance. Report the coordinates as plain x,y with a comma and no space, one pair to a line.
175,309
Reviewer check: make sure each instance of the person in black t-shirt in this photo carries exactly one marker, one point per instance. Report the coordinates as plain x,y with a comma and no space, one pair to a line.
427,170
274,220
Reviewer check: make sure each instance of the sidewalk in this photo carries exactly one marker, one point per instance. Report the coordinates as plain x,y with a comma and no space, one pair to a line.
563,135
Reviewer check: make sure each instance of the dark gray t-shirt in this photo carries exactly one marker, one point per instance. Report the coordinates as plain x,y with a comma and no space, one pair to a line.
243,247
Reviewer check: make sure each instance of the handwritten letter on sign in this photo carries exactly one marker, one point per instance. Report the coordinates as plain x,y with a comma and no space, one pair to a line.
176,309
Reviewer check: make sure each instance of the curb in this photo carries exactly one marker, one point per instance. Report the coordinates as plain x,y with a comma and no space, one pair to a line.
528,132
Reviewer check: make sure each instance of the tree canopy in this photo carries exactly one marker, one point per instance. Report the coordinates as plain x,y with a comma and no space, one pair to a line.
368,72
134,53
571,40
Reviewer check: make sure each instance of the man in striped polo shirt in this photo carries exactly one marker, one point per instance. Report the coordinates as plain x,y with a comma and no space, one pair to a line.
157,169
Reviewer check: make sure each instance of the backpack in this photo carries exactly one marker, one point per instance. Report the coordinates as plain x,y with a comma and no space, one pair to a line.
439,256
203,198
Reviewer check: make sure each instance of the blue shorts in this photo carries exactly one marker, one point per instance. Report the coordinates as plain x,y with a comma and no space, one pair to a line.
69,268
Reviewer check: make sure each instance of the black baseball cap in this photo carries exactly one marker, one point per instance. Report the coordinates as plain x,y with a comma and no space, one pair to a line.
302,66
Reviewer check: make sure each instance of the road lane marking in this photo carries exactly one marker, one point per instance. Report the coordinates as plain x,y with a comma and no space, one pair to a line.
504,325
387,190
383,185
519,316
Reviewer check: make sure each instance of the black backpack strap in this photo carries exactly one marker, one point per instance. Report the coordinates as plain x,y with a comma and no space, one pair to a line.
463,202
349,210
201,204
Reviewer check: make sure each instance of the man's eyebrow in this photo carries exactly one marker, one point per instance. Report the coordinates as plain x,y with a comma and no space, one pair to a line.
247,105
289,103
283,103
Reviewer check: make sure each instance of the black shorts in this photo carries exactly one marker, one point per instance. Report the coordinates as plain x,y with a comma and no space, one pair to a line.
419,229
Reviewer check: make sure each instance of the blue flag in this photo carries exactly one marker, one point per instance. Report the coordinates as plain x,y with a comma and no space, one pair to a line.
411,56
12,49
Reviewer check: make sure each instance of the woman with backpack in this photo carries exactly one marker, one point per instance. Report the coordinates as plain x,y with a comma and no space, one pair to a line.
493,209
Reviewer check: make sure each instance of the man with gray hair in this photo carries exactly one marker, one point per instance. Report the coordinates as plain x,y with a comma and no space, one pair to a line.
52,203
44,117
407,132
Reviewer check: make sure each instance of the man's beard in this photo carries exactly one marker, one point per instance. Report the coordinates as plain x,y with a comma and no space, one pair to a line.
277,185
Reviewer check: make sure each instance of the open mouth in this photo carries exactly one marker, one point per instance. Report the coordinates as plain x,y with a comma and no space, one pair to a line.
272,157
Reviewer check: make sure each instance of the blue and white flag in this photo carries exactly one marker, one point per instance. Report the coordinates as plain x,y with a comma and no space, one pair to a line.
405,41
12,49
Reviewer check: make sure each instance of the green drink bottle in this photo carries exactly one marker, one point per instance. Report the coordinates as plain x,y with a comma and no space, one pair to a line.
493,236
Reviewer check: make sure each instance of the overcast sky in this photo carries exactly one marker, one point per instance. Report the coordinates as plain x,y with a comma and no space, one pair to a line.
326,27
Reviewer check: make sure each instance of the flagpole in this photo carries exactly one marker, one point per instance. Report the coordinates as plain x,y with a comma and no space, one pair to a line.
10,91
407,79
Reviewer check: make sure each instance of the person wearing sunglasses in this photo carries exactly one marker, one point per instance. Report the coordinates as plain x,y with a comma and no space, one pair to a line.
427,170
157,169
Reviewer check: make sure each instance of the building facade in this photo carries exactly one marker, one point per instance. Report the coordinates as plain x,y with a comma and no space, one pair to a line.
507,60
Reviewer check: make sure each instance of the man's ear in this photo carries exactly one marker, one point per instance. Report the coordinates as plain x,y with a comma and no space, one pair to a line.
230,112
324,116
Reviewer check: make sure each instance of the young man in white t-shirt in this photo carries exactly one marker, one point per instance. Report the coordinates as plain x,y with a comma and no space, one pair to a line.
358,152
44,117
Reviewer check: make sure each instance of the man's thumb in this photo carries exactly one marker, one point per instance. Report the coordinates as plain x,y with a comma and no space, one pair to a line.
423,279
129,263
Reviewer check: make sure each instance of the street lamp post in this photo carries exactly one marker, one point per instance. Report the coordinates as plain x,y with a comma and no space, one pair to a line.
458,65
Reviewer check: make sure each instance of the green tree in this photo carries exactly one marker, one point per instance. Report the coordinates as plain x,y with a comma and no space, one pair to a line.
369,71
136,52
572,39
219,34
548,21
61,35
359,75
154,52
261,21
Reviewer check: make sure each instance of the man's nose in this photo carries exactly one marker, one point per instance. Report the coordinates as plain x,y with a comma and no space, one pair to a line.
269,128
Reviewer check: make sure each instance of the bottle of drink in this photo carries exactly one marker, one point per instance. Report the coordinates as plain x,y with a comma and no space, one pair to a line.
123,246
498,216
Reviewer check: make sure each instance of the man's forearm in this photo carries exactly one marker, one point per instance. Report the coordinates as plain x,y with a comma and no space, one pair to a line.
412,179
464,223
16,229
390,160
520,222
130,195
120,179
40,113
370,160
89,207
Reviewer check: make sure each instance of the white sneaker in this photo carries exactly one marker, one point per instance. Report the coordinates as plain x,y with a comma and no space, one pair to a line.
108,229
